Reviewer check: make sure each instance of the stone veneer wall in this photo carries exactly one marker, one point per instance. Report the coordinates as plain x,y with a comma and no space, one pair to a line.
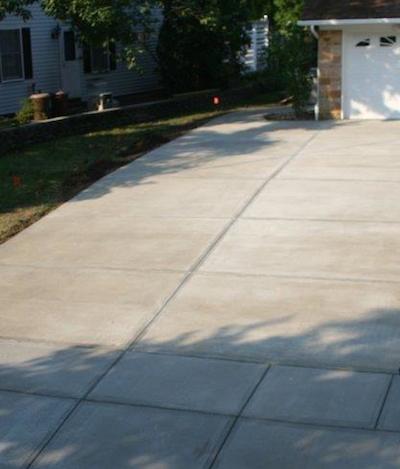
330,74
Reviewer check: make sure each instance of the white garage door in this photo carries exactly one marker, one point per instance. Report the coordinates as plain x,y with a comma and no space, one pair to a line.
371,76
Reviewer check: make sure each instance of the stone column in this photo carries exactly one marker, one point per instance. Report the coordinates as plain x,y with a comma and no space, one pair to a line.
330,74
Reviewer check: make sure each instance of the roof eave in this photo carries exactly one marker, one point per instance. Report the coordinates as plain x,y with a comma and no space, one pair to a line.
348,22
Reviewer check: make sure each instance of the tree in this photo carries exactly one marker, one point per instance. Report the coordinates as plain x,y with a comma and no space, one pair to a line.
291,53
290,59
286,13
189,51
95,21
202,43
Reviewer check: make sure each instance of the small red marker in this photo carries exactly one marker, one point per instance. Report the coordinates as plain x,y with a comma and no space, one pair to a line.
216,100
17,182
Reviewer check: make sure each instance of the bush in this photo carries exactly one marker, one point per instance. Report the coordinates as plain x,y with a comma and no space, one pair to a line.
25,114
290,58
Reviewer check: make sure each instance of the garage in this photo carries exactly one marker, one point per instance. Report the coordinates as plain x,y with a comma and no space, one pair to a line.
371,75
358,57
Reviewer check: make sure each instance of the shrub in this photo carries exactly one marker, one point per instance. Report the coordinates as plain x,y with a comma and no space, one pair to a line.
25,114
290,58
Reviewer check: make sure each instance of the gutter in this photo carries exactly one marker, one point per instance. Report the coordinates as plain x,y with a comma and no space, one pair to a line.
337,22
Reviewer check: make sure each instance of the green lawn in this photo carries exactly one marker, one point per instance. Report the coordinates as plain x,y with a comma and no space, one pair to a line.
6,122
35,180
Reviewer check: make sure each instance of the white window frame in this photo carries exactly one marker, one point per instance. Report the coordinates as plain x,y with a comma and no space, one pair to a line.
13,80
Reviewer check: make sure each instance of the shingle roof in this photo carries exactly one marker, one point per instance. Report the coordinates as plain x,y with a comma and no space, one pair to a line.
350,9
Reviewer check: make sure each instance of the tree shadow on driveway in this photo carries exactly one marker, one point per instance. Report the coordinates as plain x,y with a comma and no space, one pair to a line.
95,434
209,148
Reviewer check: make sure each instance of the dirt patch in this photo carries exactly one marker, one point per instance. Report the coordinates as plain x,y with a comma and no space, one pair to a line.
289,116
145,144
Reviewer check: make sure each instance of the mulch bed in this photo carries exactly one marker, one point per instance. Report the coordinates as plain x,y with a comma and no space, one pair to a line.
289,116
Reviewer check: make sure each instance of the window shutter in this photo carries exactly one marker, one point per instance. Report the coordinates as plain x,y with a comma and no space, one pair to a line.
69,46
113,55
27,51
87,59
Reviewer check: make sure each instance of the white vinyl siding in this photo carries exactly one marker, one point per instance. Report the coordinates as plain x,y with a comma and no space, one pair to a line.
122,81
45,58
46,66
255,57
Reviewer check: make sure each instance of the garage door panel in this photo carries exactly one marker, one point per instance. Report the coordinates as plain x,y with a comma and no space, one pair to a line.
371,87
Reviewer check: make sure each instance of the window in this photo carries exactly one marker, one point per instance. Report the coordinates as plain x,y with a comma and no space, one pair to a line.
15,54
98,59
365,43
388,41
11,55
142,37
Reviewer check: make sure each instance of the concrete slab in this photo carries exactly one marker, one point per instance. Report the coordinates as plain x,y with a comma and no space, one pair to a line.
326,397
284,320
94,306
105,436
356,135
345,173
351,151
258,445
328,200
344,167
240,125
113,242
222,148
25,424
161,196
242,149
390,418
365,156
205,164
217,386
309,249
357,145
246,129
50,369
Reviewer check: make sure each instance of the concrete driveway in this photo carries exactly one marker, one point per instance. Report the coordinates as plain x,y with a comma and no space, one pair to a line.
231,300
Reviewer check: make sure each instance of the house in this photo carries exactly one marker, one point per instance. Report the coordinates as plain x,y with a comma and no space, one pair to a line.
254,59
43,55
358,58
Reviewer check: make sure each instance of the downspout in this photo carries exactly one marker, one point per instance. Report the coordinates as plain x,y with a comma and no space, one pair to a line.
315,33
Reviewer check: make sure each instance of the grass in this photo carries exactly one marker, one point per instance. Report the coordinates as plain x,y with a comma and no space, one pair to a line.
6,122
38,179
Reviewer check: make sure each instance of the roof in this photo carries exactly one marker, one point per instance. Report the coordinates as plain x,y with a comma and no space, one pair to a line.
326,10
